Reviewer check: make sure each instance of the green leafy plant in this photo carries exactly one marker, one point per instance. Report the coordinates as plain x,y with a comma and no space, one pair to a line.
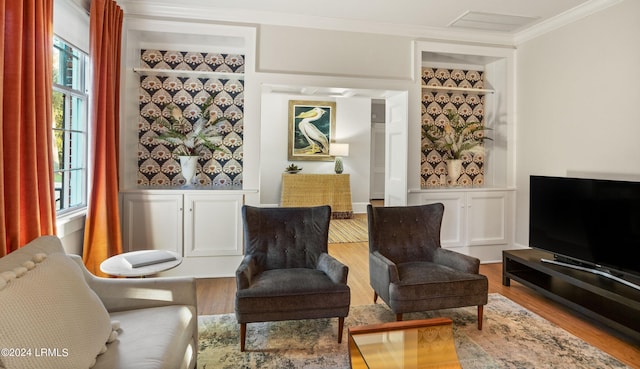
456,137
292,168
190,142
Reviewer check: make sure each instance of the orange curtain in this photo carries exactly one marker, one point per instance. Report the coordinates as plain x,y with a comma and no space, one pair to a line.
102,229
26,171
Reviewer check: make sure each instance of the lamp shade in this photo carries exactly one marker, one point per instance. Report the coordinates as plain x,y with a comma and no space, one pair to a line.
339,149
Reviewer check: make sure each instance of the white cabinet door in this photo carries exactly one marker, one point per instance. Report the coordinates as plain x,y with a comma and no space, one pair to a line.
452,230
213,225
486,218
471,218
152,222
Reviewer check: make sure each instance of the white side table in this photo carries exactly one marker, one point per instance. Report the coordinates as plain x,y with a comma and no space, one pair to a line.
119,267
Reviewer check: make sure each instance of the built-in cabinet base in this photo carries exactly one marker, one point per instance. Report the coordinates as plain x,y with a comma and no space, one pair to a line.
203,226
476,222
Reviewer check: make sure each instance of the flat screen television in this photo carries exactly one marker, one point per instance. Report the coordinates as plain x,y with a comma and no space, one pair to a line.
592,223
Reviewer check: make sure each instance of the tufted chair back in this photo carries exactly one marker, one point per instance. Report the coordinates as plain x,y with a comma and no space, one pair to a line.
282,238
407,233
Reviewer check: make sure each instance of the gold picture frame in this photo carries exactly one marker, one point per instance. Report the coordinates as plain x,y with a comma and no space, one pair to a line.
312,127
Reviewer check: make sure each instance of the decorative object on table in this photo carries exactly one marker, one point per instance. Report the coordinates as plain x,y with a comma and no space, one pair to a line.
311,130
292,168
455,137
188,167
190,140
150,257
454,169
339,150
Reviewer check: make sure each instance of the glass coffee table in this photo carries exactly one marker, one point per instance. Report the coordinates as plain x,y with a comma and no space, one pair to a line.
426,343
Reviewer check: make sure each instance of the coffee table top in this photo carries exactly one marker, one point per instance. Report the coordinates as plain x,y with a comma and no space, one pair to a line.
118,265
426,343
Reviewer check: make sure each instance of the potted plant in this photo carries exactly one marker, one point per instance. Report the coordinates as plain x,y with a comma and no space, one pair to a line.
189,140
455,138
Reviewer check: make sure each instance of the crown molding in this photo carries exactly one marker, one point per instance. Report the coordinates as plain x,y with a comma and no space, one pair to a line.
563,19
152,9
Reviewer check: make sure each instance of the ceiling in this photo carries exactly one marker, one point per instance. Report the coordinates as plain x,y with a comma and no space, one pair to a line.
505,19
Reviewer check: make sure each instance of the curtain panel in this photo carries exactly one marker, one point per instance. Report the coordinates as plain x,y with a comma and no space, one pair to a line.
102,230
27,203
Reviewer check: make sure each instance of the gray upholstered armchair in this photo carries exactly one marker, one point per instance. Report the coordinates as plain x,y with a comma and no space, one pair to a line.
287,273
411,271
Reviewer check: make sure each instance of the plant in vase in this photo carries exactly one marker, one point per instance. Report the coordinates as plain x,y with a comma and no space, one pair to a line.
455,138
190,140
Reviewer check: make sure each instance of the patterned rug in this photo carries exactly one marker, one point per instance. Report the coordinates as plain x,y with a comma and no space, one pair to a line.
512,337
349,230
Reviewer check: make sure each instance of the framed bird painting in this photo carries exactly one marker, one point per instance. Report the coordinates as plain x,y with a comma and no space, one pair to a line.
311,129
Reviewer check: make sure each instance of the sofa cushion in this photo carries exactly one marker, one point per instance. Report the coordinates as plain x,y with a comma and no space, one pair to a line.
50,314
148,339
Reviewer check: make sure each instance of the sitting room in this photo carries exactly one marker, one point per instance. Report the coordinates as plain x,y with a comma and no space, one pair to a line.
274,185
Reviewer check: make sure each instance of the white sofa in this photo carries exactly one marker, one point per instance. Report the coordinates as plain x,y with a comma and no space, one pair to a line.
55,314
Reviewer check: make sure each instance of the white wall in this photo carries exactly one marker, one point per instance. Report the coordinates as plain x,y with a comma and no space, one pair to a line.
352,126
335,53
577,101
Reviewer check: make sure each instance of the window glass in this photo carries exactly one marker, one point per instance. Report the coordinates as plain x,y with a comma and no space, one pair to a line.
70,101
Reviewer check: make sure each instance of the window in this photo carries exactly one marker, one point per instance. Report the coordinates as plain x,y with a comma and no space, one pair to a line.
70,112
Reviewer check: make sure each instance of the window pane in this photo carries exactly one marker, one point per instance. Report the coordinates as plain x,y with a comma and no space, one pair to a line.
58,149
68,66
58,109
58,178
76,182
77,118
76,150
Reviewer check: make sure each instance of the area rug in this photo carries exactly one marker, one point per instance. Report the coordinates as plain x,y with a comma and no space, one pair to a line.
349,230
512,337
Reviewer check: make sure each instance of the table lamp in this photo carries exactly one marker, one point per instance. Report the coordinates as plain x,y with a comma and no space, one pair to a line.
338,150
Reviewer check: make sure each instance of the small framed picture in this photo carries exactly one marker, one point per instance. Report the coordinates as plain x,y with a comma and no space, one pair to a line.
311,129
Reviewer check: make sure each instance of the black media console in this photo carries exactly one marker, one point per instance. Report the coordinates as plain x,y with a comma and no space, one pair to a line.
615,304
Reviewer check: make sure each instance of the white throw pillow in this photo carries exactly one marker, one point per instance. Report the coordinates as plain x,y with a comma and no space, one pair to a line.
50,317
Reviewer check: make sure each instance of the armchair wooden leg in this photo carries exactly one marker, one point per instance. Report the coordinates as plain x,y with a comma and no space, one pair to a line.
243,335
399,317
480,310
375,297
340,328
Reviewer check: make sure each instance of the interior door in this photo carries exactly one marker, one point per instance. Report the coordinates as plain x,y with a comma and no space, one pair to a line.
396,143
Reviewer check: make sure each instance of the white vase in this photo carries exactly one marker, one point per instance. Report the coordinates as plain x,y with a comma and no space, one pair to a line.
454,169
188,165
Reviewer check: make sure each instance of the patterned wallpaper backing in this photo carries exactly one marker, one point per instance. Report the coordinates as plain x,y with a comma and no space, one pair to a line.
470,107
157,166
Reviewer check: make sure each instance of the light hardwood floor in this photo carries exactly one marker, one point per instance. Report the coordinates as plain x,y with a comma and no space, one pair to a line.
216,296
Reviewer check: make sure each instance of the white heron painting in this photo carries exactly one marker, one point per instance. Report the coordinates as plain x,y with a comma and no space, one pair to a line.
311,128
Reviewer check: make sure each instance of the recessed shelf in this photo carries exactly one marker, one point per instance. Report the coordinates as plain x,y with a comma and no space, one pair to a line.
186,73
479,91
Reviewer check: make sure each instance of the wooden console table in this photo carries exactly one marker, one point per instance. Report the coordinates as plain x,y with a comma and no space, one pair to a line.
318,189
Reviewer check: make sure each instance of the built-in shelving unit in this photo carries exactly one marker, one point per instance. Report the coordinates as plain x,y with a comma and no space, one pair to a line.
479,91
186,73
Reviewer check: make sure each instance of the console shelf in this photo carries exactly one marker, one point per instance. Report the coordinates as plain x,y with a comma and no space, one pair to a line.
608,301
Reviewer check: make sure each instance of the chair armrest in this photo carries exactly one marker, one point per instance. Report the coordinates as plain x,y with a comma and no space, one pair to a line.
118,294
383,269
457,261
245,272
337,271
